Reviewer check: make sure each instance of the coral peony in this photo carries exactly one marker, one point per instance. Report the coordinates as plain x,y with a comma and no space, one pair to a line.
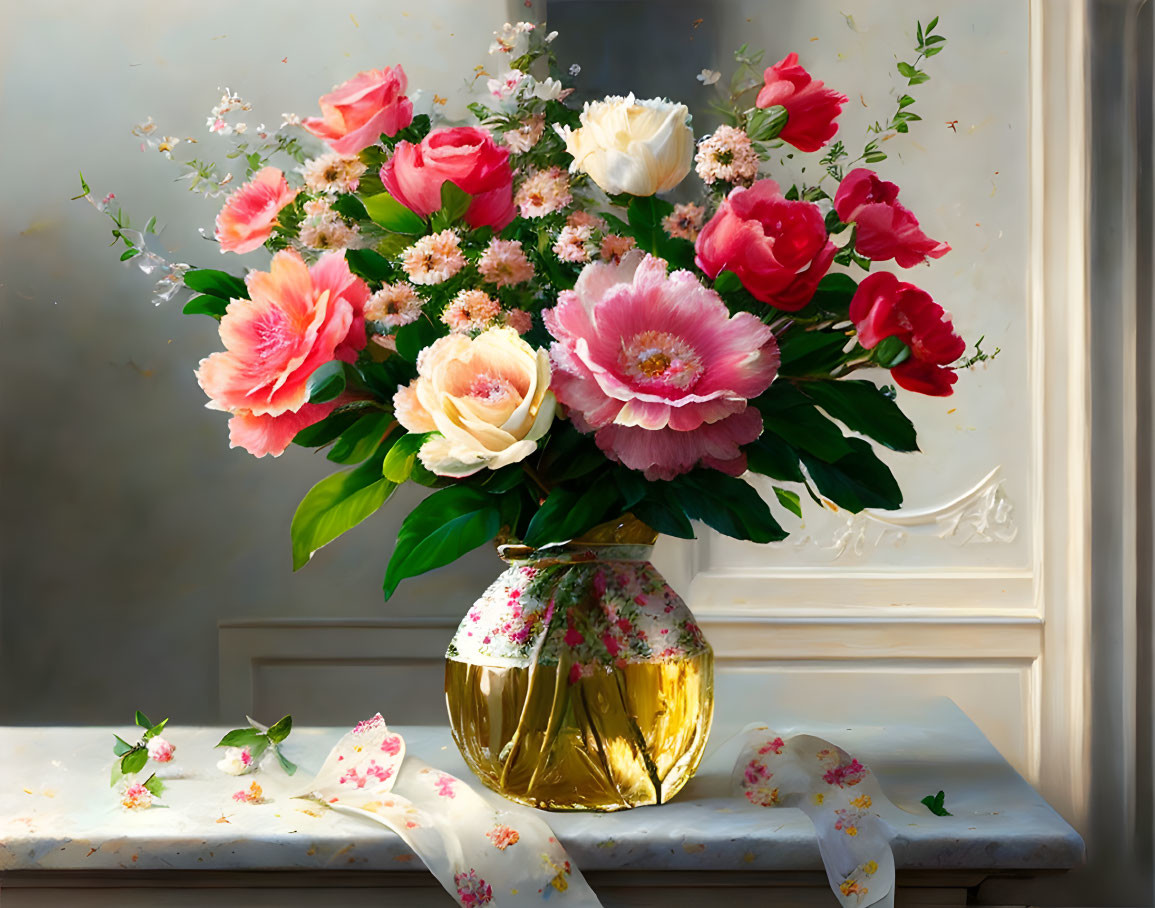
463,155
355,114
883,306
778,248
487,397
657,366
811,107
250,213
298,318
885,229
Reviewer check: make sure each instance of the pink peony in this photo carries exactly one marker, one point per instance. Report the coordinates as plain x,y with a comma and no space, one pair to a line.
811,107
355,114
883,306
778,248
655,364
298,318
250,213
463,155
885,229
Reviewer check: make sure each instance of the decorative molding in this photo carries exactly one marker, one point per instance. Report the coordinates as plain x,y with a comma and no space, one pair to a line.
983,514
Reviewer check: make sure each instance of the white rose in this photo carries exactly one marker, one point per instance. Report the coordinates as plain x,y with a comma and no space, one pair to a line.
626,145
488,398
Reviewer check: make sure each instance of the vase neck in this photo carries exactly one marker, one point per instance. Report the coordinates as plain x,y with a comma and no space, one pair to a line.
575,552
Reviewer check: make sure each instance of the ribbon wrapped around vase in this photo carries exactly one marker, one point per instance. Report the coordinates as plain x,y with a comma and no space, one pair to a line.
508,856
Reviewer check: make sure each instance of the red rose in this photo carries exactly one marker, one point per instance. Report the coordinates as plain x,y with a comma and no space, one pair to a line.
463,155
883,306
811,107
778,249
886,229
354,115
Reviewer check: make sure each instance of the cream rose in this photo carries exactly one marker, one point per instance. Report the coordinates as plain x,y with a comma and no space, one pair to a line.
487,398
626,145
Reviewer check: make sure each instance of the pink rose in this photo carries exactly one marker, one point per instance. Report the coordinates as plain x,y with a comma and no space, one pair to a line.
160,750
883,306
467,157
811,107
778,249
886,229
298,318
354,115
250,213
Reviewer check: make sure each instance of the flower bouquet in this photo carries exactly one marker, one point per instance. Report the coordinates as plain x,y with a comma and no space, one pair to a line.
509,314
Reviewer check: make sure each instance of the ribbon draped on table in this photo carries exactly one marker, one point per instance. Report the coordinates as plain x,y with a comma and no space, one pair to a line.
484,854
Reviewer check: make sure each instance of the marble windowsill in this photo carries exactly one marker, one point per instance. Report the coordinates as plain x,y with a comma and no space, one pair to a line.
57,812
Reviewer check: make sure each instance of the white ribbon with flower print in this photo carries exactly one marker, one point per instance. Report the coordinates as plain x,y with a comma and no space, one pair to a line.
508,856
481,854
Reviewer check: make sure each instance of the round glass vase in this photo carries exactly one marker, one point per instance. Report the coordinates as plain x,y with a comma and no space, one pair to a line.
579,680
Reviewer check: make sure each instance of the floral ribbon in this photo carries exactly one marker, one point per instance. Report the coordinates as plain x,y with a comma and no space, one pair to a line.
839,795
507,855
481,853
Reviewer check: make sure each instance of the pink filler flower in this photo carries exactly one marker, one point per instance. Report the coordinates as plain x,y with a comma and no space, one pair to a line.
655,364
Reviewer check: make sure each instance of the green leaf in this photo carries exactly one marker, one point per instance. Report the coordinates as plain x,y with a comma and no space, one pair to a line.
216,283
771,456
811,352
856,481
861,407
121,747
398,464
154,786
133,761
335,505
936,39
727,282
935,804
764,124
351,207
905,101
286,764
918,32
142,720
907,70
567,513
370,265
645,216
889,352
728,505
789,500
931,24
280,729
323,432
834,293
660,508
442,528
392,215
206,305
416,336
327,382
568,454
155,730
455,201
790,415
129,254
919,77
361,439
241,737
116,775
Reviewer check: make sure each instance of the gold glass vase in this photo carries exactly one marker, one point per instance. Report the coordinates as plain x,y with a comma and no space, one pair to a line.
579,680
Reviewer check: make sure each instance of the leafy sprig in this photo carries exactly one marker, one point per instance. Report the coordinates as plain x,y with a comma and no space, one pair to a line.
927,45
259,738
935,804
133,757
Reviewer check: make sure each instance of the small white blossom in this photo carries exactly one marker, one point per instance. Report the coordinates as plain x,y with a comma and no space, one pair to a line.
237,761
574,69
549,90
709,76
